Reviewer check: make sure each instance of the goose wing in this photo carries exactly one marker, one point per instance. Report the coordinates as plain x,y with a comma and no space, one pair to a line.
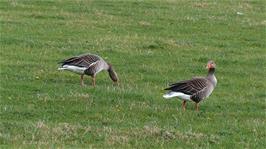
198,96
189,87
86,60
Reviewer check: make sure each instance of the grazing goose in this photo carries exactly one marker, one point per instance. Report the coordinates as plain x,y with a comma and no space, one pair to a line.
88,64
196,89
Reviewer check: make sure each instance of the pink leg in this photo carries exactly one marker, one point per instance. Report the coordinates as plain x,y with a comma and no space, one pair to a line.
184,105
81,80
197,106
93,81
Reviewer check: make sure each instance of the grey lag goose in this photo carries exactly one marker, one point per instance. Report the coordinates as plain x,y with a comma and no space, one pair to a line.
196,89
88,64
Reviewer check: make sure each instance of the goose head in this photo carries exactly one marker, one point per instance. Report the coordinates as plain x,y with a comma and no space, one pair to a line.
112,73
211,65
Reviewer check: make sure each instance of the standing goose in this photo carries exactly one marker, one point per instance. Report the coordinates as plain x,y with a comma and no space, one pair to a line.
196,89
88,64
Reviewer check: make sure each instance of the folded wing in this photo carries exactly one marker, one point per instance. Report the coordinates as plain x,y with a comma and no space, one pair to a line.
189,87
87,60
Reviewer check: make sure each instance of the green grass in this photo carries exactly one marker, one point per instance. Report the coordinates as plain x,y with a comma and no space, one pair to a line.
150,43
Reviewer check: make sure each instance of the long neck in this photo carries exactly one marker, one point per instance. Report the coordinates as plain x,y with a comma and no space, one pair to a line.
211,71
112,74
105,65
211,76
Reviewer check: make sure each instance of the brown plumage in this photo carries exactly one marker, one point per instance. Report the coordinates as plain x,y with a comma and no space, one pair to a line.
88,64
196,89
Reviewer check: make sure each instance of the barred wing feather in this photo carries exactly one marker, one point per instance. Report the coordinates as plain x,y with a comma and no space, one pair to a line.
82,61
189,87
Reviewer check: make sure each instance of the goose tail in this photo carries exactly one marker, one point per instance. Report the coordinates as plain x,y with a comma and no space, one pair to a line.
61,68
176,94
169,95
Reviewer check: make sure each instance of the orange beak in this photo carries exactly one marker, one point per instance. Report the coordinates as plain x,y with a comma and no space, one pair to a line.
116,83
208,66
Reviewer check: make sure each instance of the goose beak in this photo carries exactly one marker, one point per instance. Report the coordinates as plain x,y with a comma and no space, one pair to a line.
209,66
116,83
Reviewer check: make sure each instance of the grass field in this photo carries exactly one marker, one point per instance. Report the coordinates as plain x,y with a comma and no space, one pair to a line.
149,43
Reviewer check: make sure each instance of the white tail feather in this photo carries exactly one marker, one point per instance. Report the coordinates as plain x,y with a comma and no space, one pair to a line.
75,69
61,68
176,94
